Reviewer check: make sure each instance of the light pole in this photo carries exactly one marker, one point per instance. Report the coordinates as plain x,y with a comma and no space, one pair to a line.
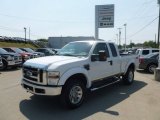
125,35
25,33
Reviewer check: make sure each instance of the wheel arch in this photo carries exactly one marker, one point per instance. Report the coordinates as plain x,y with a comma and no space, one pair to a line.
132,66
75,73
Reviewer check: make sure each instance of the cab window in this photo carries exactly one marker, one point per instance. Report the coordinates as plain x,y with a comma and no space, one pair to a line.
101,47
145,52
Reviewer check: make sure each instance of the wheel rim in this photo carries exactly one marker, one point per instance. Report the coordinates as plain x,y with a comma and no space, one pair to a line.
130,76
152,68
76,94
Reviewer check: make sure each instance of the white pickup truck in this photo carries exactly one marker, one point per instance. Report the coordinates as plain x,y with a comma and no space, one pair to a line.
77,67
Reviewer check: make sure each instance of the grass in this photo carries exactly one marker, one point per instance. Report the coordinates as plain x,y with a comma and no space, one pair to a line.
18,45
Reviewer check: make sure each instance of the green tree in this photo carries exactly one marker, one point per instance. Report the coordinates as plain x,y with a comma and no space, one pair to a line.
149,44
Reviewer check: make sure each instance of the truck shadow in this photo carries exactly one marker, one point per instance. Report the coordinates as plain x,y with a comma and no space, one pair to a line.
41,107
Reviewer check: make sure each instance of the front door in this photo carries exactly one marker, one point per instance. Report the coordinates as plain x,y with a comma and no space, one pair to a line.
100,69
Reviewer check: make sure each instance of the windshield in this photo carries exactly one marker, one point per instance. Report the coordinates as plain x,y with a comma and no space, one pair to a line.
151,55
2,51
18,50
137,52
76,49
29,50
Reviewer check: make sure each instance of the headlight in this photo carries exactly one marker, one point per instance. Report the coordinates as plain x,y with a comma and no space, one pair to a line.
26,56
9,58
53,77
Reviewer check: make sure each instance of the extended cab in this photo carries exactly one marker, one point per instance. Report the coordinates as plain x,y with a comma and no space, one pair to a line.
77,67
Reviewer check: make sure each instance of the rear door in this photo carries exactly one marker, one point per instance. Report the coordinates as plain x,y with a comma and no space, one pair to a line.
115,58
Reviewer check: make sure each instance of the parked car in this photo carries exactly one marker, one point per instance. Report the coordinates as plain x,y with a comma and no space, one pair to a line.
39,54
25,55
144,52
1,63
46,51
10,59
54,50
149,62
79,66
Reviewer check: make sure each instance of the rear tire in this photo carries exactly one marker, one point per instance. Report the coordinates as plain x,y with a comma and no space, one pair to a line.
128,78
73,93
151,67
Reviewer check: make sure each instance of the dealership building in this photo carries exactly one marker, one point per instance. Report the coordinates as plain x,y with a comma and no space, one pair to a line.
59,42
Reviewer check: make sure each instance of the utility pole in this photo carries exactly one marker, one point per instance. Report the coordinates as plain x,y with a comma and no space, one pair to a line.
25,34
120,37
125,35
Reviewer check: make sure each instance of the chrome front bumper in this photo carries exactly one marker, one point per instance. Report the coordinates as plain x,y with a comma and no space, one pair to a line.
11,63
41,89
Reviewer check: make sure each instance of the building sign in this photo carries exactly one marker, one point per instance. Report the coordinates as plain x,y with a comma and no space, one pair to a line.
104,16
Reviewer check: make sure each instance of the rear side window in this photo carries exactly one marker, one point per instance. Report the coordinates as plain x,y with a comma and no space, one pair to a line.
145,52
155,51
113,49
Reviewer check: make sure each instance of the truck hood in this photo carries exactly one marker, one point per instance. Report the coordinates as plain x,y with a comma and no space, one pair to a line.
45,62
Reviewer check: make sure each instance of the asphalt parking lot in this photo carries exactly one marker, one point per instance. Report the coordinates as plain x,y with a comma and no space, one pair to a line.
140,101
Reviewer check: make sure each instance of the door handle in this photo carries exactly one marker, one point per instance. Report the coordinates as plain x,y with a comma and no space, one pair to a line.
111,62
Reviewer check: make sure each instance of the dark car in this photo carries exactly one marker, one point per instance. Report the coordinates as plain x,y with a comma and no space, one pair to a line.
149,62
25,55
10,59
39,54
46,51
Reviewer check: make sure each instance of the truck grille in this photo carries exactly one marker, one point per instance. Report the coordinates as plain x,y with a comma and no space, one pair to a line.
33,75
18,58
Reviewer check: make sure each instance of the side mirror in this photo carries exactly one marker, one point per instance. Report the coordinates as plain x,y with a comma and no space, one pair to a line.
102,55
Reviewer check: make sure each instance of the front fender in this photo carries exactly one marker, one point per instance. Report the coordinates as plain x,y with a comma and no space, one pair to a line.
72,72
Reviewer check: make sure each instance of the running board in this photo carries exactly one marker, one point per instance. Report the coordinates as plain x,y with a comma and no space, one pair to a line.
93,89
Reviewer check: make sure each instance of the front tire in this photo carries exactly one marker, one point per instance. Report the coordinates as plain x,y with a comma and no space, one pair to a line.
73,93
128,78
4,67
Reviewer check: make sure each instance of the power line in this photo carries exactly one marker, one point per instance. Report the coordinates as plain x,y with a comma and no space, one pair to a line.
42,20
143,28
18,30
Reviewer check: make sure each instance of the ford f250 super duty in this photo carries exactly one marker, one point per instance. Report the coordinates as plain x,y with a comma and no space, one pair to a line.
77,67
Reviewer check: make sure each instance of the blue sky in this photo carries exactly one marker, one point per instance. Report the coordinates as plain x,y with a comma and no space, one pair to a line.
48,18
